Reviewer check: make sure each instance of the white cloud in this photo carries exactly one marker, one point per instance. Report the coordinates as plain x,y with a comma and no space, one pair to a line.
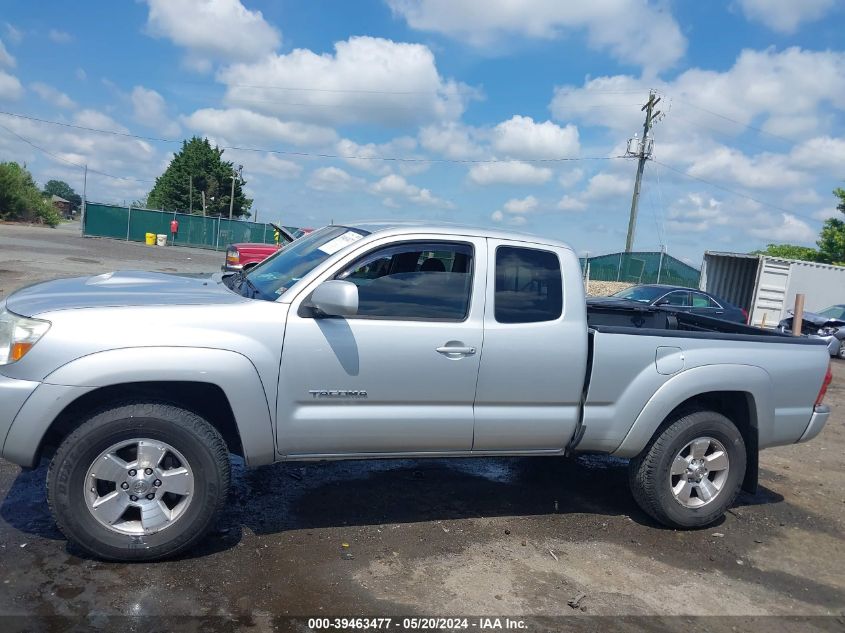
333,179
394,185
512,172
451,139
269,164
212,30
696,213
6,58
604,186
632,30
10,87
499,216
571,178
13,34
81,75
521,137
366,80
568,203
120,156
366,155
827,213
59,37
519,206
52,95
237,125
787,229
150,110
822,152
769,85
785,16
763,171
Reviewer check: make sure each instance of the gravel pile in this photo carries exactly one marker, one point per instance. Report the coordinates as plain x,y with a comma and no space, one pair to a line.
605,288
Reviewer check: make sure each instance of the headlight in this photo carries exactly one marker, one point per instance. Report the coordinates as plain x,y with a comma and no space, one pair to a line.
18,334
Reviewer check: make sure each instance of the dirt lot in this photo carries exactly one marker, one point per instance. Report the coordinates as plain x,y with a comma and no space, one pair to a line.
471,536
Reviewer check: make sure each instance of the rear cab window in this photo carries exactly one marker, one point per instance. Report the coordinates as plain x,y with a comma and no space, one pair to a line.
529,286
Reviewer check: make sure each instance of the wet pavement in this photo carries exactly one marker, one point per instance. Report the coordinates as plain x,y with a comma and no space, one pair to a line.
504,536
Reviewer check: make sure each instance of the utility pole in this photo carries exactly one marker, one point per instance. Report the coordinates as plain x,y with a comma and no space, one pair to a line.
232,199
191,194
84,197
203,203
643,153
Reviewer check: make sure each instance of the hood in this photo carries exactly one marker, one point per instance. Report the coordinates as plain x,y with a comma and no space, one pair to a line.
130,288
817,320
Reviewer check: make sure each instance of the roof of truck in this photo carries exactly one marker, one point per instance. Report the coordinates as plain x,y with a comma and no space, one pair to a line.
390,226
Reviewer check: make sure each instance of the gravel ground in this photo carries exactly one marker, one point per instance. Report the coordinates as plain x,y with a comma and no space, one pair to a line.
605,288
507,536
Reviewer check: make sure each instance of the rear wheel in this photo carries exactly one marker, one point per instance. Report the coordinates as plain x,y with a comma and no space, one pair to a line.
140,481
691,471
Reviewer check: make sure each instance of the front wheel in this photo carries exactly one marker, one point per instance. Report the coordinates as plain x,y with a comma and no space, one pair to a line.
691,472
141,481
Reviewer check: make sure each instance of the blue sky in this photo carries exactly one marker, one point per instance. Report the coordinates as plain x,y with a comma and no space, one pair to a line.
484,96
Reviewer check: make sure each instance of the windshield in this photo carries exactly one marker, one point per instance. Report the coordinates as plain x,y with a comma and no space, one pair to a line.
284,268
834,312
643,294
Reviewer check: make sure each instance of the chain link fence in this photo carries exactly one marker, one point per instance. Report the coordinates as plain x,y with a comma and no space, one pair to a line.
133,224
640,268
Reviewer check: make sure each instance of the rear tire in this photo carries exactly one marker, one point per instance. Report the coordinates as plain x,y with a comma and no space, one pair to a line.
691,471
141,481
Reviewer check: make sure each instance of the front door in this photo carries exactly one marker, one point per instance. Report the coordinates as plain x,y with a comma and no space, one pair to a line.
400,376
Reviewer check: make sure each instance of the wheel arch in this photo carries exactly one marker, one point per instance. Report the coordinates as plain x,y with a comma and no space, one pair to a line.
210,381
710,388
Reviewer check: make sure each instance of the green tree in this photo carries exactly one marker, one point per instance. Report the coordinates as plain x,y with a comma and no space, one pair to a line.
790,251
63,190
20,199
832,238
202,164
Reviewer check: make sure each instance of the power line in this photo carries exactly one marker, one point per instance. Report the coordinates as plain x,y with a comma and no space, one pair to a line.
70,162
401,159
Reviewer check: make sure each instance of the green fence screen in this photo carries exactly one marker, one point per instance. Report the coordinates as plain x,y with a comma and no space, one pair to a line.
642,268
129,223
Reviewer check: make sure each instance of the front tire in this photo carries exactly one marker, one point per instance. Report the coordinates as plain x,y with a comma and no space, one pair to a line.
691,472
141,481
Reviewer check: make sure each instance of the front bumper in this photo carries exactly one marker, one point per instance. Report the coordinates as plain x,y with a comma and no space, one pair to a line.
13,394
817,421
231,268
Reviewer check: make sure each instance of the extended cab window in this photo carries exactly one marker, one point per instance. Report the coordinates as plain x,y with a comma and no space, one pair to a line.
528,285
414,280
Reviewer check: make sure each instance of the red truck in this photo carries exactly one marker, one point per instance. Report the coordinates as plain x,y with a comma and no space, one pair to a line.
245,255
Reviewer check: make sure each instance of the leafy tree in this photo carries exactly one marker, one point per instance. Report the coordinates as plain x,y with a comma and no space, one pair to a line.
63,190
20,198
832,238
832,242
790,251
203,164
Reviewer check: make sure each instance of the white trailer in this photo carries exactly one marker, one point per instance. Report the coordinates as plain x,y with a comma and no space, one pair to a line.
766,286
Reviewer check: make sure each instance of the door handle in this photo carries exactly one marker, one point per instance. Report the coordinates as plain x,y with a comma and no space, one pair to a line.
448,350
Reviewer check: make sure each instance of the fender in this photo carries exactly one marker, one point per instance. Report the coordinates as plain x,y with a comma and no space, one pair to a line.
694,382
232,372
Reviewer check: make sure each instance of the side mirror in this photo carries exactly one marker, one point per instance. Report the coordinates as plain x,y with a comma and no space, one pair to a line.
662,302
335,298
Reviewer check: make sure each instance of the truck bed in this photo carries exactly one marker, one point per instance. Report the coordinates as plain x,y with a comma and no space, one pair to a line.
623,318
642,358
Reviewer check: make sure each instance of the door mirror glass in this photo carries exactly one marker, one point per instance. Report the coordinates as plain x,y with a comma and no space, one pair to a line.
335,298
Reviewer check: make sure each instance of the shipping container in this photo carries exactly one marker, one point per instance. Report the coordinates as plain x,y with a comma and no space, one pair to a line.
766,286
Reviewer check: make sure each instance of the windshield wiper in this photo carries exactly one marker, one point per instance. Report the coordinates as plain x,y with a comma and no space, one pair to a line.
252,287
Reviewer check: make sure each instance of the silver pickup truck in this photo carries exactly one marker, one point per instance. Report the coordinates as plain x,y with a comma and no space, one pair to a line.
372,341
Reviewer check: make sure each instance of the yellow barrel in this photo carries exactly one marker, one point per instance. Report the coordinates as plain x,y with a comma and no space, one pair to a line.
151,239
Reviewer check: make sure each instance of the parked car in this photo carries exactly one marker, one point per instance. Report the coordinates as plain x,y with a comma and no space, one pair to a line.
376,341
827,325
245,255
678,299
